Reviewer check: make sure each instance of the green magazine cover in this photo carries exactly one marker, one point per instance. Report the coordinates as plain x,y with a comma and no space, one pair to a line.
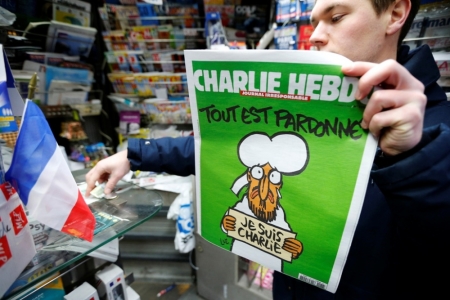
282,163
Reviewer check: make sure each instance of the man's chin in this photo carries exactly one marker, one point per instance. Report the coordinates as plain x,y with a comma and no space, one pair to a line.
325,49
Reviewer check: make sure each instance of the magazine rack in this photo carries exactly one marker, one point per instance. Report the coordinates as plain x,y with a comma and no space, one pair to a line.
130,209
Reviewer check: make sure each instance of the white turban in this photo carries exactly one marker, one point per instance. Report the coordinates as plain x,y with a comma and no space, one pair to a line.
286,152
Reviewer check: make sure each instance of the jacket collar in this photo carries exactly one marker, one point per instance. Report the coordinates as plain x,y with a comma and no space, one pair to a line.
421,64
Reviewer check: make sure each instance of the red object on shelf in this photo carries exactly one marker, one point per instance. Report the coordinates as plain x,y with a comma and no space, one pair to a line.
304,34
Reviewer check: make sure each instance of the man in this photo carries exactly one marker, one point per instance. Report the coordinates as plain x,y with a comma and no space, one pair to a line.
263,180
401,241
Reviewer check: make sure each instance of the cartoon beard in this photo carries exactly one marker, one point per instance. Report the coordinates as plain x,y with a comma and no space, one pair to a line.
258,207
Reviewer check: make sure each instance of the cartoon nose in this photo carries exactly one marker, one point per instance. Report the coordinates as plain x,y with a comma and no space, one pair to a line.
264,187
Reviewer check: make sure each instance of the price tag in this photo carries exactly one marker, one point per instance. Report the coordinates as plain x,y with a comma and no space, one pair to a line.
154,2
189,31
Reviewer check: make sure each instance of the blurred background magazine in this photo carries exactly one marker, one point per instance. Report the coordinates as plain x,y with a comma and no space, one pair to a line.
70,39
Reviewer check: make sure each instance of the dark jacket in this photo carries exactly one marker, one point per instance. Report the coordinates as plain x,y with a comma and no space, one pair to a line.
400,249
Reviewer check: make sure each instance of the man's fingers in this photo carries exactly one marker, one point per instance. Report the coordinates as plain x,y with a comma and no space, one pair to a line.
111,183
109,170
396,108
383,120
357,69
387,74
91,178
382,100
97,174
399,133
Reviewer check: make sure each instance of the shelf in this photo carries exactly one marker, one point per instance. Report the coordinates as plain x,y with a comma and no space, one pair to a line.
160,18
133,207
426,38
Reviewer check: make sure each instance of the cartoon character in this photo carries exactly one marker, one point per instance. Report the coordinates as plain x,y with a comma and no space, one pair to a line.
267,159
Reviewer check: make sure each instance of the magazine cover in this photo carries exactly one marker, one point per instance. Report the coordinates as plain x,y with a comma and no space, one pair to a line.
71,43
282,163
11,104
73,12
285,37
69,39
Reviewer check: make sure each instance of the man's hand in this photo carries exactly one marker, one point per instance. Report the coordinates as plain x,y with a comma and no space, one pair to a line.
110,169
395,112
229,223
293,246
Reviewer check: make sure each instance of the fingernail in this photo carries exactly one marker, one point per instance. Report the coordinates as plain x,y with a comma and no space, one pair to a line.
358,95
110,196
363,124
346,68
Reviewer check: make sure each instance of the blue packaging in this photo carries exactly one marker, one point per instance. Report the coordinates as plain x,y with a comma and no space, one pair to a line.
145,11
7,122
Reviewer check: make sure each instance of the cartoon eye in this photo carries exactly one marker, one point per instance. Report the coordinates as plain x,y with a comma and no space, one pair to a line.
275,177
257,172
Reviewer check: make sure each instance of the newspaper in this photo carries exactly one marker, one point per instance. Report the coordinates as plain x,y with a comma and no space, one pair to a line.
70,39
282,163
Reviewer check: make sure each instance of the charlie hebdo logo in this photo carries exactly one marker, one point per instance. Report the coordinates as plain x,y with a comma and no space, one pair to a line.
257,222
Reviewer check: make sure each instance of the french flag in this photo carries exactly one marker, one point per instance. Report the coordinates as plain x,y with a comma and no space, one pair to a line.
43,180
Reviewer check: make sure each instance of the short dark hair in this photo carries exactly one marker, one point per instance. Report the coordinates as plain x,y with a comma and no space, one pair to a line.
382,5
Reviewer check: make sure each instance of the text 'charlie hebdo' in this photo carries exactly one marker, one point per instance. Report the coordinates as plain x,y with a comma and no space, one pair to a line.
300,86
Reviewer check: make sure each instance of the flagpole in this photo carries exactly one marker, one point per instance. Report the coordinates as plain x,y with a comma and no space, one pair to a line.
32,86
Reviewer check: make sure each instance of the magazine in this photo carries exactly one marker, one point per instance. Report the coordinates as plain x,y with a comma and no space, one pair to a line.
282,163
50,58
40,70
61,92
71,43
79,76
122,17
285,38
73,12
70,39
10,99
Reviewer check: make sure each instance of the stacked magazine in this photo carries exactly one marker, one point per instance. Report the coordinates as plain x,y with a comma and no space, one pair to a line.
72,11
70,39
